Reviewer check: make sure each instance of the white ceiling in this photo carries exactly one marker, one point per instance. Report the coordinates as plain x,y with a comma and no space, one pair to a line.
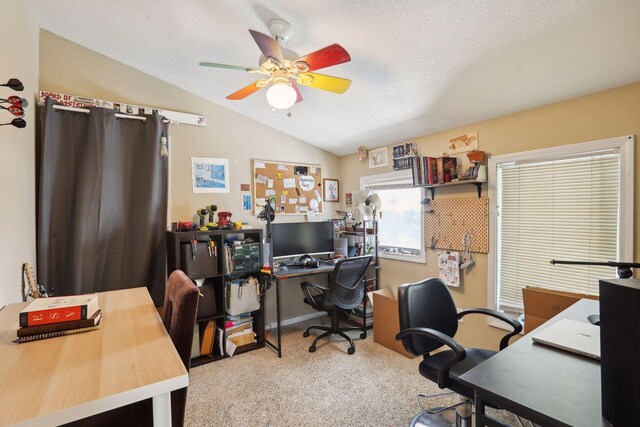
417,67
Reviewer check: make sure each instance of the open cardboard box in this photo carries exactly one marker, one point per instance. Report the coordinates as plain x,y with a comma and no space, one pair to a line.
386,321
542,304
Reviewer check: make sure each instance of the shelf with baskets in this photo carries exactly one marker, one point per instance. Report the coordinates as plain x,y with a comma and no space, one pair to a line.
220,260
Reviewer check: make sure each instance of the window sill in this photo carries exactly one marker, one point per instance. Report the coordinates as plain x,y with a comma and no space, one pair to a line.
499,324
402,257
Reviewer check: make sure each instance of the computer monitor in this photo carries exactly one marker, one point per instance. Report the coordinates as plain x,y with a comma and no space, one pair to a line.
299,238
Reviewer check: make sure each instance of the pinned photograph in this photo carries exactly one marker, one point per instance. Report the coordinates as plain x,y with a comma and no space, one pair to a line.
210,175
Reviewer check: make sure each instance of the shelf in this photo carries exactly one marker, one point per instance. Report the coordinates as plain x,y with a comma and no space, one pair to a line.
201,360
475,182
208,318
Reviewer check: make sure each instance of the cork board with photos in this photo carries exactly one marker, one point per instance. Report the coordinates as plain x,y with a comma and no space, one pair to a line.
296,187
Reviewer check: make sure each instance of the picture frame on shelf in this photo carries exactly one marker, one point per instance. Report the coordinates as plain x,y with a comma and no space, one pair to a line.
331,190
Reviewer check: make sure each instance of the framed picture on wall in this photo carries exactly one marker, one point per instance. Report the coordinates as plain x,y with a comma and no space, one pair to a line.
331,190
209,175
378,157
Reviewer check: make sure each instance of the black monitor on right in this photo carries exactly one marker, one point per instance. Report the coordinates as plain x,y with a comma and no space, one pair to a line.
298,238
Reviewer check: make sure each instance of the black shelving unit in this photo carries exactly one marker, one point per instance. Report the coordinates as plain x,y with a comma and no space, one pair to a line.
211,306
368,232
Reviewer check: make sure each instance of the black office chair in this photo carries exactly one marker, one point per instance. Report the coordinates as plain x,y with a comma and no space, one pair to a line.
345,291
428,321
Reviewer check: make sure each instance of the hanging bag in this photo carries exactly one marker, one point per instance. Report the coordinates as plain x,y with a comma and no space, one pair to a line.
242,295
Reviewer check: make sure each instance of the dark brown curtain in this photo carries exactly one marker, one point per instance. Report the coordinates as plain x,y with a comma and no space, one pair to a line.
102,202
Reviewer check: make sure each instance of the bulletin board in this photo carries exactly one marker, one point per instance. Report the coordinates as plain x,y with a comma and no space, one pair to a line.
297,187
448,220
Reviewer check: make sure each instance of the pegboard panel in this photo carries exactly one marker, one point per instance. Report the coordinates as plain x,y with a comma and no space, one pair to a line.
452,218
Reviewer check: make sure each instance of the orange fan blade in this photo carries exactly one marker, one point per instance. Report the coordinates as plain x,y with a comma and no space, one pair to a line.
325,57
244,92
295,87
321,81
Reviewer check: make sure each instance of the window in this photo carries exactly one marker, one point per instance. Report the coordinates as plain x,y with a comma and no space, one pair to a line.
400,233
573,203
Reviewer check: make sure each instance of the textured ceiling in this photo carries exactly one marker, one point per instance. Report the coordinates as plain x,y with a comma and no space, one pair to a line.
417,67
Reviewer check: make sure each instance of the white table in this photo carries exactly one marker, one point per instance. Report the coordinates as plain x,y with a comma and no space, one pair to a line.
58,380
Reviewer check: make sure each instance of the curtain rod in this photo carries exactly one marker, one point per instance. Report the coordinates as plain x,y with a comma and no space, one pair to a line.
118,115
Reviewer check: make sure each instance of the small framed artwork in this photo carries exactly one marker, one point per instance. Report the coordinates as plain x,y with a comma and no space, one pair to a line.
331,190
348,199
378,157
209,175
246,202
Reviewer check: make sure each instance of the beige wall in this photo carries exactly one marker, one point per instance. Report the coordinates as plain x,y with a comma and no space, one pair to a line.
69,68
19,53
602,115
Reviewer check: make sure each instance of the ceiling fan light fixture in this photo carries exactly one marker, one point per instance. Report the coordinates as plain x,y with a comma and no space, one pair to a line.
281,96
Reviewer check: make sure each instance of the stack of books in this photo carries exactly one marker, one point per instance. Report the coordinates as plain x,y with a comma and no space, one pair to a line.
57,316
358,314
239,330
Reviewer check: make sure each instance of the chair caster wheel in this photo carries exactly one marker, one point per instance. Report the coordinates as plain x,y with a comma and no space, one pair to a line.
312,349
351,350
363,335
305,334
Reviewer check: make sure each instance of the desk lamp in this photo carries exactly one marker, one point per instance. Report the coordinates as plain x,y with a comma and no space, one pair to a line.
623,270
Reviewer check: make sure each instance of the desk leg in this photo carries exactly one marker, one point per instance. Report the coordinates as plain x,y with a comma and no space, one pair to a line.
162,410
278,317
479,405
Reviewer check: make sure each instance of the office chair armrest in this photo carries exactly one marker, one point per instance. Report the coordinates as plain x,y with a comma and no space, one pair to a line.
458,350
517,326
307,293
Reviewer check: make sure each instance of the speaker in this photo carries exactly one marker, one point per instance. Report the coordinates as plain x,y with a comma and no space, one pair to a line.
620,351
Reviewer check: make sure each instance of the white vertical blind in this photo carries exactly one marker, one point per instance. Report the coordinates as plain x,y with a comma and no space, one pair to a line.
562,209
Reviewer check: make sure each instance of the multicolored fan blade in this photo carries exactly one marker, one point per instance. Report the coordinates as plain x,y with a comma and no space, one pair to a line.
269,46
325,57
321,81
244,92
230,67
295,87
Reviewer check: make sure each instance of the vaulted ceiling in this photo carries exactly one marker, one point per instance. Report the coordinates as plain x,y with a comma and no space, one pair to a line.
417,67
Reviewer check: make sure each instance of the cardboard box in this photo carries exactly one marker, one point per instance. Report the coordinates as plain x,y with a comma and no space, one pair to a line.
386,321
542,304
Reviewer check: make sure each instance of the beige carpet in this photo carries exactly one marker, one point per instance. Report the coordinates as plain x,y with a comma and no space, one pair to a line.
373,387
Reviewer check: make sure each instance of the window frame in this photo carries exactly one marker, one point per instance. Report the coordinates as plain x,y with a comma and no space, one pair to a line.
399,179
624,145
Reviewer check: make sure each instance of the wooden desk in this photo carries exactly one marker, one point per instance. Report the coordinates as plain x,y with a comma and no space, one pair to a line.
58,380
547,386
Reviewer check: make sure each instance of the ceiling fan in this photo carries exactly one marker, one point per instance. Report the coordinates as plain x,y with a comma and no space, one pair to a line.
283,70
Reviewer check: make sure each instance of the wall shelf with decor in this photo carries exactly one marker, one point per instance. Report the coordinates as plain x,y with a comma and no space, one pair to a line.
216,258
476,182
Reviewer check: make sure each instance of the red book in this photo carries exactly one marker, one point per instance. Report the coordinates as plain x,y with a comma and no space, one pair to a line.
431,170
45,311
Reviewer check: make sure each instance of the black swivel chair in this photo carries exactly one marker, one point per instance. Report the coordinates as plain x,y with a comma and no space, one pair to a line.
428,321
345,291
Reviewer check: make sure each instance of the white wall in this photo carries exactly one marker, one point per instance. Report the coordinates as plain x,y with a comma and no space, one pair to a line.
19,58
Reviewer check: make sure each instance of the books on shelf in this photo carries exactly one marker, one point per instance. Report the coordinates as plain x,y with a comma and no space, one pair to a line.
208,337
54,334
63,326
45,311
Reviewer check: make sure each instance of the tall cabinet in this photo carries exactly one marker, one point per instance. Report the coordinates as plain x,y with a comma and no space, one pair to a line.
214,258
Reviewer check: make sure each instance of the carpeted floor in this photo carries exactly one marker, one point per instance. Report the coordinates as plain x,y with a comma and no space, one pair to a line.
373,387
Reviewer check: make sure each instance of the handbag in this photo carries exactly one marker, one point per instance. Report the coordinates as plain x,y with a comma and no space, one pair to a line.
243,296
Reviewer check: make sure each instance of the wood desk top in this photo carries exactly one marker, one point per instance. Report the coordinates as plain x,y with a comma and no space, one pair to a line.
57,380
559,387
